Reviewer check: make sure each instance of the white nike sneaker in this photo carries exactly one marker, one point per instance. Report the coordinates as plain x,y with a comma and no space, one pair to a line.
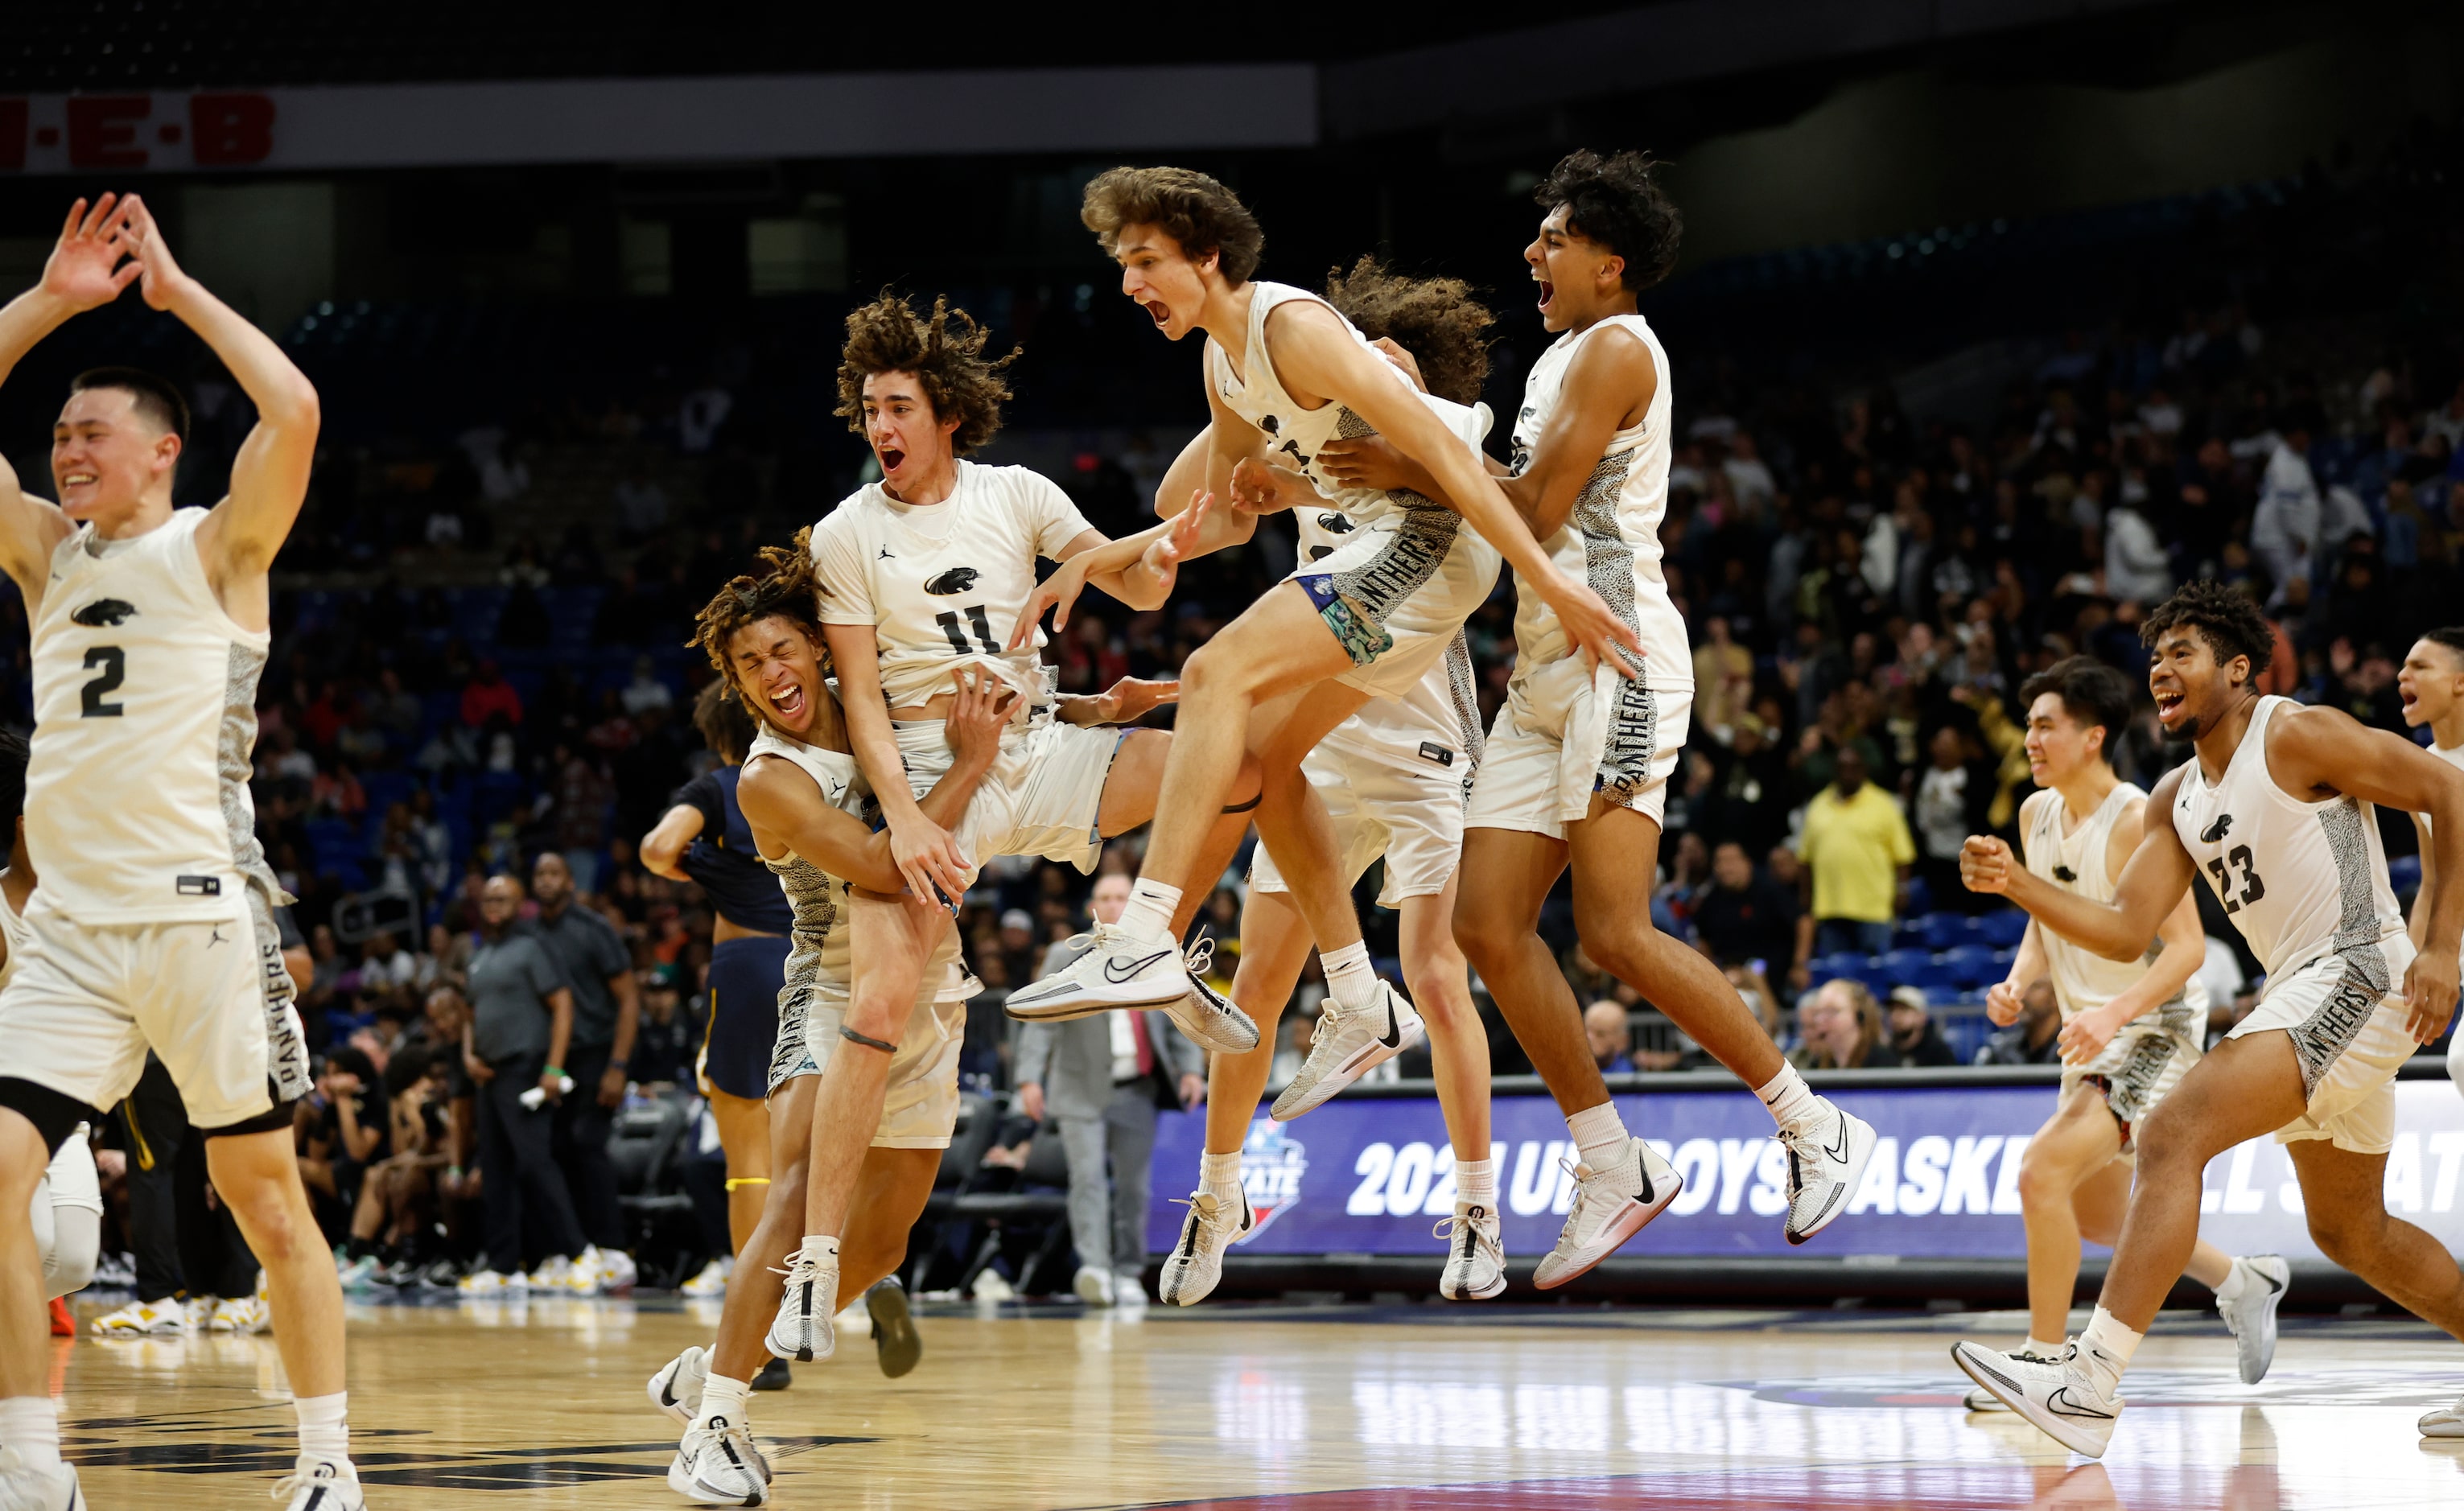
711,1282
676,1389
802,1330
718,1465
198,1311
1475,1256
2445,1421
1611,1205
1117,971
2252,1315
617,1271
2062,1400
1205,1015
1981,1399
159,1319
1094,1285
1349,1044
320,1484
489,1283
1196,1264
243,1315
26,1489
1824,1165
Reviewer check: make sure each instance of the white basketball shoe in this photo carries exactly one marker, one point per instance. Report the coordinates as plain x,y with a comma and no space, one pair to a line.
320,1484
1981,1399
1348,1044
676,1389
2445,1421
802,1330
1611,1205
1475,1256
164,1318
711,1282
1196,1264
718,1465
22,1488
2062,1400
1825,1162
1118,970
2251,1314
1205,1015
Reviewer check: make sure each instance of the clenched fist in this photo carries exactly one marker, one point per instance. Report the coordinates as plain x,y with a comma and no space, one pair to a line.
1985,863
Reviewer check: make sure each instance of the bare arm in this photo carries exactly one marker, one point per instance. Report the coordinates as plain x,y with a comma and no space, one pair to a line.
560,1039
1140,569
2157,877
84,273
926,853
2185,950
269,478
628,1023
665,846
2418,925
2317,753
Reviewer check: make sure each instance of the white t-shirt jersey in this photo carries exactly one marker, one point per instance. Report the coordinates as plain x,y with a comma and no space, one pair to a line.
942,584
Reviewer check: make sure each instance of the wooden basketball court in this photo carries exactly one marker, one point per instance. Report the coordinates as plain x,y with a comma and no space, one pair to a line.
540,1406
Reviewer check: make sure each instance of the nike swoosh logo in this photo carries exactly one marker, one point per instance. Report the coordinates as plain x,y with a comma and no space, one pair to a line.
1841,1151
2062,1404
1392,1038
1114,972
2273,1284
1642,1167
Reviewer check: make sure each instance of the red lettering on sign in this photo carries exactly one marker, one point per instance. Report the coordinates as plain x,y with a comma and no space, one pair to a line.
102,130
13,135
229,130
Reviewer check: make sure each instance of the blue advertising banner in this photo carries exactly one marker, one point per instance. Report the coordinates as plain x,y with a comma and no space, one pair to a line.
1370,1176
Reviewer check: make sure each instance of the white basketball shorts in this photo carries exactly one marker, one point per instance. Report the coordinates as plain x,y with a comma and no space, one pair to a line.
2135,1069
2351,1034
919,1106
1566,733
210,995
1414,817
1042,796
1394,595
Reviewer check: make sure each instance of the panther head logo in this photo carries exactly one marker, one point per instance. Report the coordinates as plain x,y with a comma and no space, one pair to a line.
2214,833
958,579
1335,524
1320,553
103,612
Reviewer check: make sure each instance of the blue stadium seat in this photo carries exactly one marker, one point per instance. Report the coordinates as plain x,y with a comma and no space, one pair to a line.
2001,930
1904,967
2404,872
1971,965
1941,930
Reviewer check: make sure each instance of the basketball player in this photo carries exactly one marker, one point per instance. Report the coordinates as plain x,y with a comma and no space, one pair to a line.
1394,777
703,839
2432,686
1577,768
2131,1029
2275,813
154,924
914,571
1284,376
67,1208
805,806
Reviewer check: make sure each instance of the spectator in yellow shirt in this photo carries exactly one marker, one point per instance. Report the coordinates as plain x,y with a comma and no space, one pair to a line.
1858,851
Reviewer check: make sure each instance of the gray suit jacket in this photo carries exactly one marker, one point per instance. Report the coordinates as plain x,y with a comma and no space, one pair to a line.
1073,1061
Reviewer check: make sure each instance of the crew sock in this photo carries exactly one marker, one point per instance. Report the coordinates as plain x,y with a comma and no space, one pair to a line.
1149,914
1349,980
1599,1135
1792,1104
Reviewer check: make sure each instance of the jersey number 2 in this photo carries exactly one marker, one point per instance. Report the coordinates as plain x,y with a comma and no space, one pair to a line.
114,663
949,622
2252,888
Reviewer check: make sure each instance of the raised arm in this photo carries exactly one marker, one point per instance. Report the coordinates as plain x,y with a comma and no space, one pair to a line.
925,852
1314,353
84,271
2317,753
269,478
2157,877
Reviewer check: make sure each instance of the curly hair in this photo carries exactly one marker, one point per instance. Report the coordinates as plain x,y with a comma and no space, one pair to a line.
788,589
2228,620
725,723
1615,201
2450,636
946,352
1195,210
1436,320
2092,693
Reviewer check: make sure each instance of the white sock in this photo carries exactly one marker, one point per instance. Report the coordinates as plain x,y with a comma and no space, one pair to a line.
2105,1347
821,1249
31,1424
1349,980
1792,1104
1599,1135
2043,1349
1476,1182
323,1431
726,1397
1220,1173
2228,1289
1149,915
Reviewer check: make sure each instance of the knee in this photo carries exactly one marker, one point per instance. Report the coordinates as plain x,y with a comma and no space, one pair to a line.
1486,936
1212,670
2165,1140
2348,1238
1622,947
2043,1182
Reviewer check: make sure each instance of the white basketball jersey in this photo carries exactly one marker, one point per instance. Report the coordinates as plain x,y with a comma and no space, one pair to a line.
943,584
1437,725
136,799
2076,862
13,932
1610,540
1294,435
2452,756
817,957
2301,880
